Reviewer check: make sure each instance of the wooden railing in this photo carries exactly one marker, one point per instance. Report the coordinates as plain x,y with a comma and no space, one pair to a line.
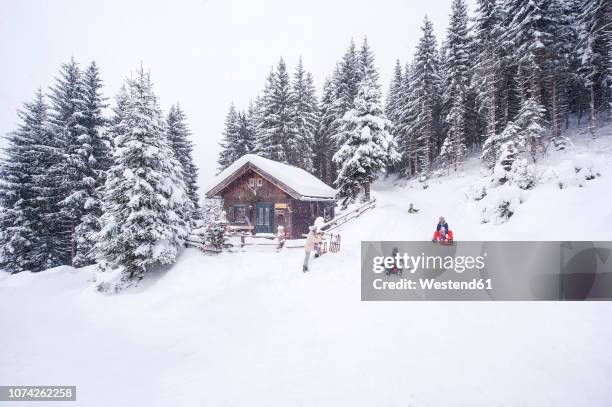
345,217
332,245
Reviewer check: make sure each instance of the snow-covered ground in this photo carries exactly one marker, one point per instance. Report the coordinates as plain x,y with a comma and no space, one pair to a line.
249,328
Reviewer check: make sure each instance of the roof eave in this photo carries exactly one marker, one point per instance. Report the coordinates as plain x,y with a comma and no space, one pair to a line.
241,170
317,198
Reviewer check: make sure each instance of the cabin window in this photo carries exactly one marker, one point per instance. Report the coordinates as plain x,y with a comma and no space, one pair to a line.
259,182
251,182
238,214
328,213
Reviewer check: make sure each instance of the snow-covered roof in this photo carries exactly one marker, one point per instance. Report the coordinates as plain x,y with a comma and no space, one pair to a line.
295,181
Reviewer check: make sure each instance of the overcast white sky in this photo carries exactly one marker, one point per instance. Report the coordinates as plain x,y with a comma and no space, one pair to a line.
204,54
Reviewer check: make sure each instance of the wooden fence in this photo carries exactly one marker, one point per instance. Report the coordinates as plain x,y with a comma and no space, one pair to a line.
332,244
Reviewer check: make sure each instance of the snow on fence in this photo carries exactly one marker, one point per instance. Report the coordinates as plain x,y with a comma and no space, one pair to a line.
332,245
345,217
197,241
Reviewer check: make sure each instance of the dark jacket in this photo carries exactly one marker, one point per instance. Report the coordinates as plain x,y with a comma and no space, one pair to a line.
440,226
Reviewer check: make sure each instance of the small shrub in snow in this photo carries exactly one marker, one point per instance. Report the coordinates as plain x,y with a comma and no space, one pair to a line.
572,173
532,126
587,174
111,281
561,143
502,203
504,211
215,233
476,194
215,236
521,174
439,173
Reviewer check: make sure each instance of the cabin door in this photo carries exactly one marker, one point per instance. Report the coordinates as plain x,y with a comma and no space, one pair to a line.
264,217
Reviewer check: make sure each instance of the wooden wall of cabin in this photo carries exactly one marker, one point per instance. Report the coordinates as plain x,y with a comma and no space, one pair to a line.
305,213
239,193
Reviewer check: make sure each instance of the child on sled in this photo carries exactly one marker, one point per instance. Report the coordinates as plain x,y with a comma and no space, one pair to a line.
443,236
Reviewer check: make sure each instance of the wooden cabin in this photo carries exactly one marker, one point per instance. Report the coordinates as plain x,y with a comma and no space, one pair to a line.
261,194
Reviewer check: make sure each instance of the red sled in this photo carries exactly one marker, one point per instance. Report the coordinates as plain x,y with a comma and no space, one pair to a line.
443,239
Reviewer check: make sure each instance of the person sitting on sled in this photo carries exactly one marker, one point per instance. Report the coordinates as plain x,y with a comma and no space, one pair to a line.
412,209
442,235
394,269
313,240
441,224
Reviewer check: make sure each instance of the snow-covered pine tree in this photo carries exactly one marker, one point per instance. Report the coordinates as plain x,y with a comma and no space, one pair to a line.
366,64
595,52
456,80
246,131
117,127
95,122
500,150
557,75
528,29
179,135
145,198
487,75
422,110
229,144
277,126
239,136
521,174
510,165
255,118
453,149
367,146
99,162
306,118
346,85
346,82
116,121
532,126
28,200
76,173
457,65
392,105
324,145
508,152
405,116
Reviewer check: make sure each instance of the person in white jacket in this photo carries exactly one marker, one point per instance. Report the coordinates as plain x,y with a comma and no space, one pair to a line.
313,239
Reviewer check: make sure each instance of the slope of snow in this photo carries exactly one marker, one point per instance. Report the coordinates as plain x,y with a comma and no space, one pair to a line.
249,328
295,178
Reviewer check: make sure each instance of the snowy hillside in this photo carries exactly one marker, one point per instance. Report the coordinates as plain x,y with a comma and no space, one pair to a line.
565,205
249,328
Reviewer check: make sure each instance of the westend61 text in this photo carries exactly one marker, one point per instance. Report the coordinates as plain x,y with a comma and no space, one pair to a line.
433,284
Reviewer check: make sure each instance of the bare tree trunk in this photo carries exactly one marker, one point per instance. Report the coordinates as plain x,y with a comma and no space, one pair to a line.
366,190
73,243
555,114
593,115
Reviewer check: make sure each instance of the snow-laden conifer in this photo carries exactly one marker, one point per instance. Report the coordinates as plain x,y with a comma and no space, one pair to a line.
145,198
